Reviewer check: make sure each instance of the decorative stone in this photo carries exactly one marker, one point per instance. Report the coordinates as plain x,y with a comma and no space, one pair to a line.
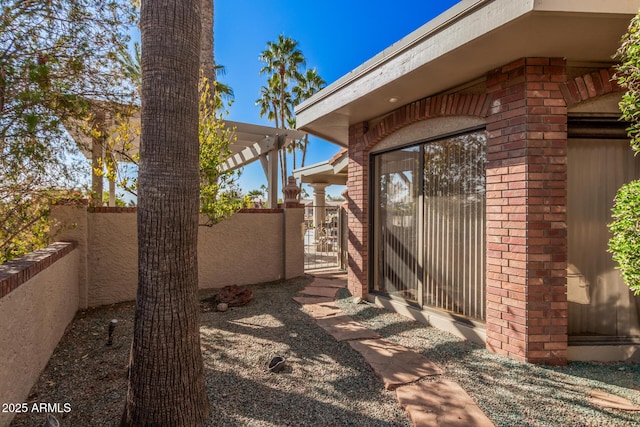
234,295
223,306
357,300
276,364
291,191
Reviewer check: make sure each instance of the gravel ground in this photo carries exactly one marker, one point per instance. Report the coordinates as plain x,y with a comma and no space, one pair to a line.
324,383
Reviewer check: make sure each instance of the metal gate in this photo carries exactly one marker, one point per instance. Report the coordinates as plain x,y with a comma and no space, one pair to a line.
323,237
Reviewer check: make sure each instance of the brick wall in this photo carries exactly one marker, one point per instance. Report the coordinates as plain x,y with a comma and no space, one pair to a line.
362,139
358,204
526,211
525,107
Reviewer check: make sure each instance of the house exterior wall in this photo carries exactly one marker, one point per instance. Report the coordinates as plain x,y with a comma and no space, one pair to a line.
526,219
524,105
39,296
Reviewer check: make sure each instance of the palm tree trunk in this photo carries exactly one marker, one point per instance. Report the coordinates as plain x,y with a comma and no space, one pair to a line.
166,377
207,59
304,149
293,152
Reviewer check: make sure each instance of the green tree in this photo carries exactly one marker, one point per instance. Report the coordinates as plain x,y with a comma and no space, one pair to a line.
625,228
54,57
219,194
166,381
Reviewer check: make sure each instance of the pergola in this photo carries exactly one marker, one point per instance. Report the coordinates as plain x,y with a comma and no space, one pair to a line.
252,142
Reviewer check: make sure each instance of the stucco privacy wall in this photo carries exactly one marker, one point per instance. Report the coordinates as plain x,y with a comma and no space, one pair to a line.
38,299
248,248
244,249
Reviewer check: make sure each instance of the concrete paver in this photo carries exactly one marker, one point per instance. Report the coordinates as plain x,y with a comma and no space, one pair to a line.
429,403
395,364
327,283
440,403
320,291
322,310
333,275
344,328
313,300
610,401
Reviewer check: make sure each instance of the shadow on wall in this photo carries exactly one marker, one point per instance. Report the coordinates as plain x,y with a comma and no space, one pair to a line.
246,248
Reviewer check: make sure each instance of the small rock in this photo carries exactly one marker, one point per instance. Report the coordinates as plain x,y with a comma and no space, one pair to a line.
357,300
223,306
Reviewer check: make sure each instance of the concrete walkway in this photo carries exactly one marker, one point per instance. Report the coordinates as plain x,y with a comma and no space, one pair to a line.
429,403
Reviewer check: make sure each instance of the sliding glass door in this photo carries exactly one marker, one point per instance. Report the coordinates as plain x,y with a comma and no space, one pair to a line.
428,229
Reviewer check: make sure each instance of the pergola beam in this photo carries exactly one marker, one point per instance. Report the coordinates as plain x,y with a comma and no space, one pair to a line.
249,154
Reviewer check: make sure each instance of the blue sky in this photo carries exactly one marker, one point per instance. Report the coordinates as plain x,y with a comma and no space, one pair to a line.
334,36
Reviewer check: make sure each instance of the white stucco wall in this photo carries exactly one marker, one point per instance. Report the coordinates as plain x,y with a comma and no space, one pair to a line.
33,318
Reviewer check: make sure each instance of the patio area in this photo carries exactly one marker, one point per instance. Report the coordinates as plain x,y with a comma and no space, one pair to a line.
327,381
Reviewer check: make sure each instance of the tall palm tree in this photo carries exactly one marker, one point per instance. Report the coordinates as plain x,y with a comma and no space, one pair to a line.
284,59
269,103
130,63
131,69
207,59
166,377
211,70
306,87
224,90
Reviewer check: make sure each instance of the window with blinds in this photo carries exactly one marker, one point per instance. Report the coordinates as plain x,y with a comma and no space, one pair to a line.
601,306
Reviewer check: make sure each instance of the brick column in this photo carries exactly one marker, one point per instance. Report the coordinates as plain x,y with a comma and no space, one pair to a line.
358,200
526,211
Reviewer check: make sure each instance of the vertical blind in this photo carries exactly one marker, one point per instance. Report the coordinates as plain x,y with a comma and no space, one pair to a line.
429,216
600,303
396,222
454,217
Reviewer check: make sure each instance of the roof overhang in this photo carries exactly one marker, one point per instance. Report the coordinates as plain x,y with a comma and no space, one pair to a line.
462,45
332,171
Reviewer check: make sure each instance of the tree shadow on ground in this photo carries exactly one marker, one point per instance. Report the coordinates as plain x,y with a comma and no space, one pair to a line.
239,343
261,401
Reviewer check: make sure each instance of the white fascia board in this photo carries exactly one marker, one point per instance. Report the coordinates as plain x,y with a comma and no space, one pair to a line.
317,168
587,6
341,165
